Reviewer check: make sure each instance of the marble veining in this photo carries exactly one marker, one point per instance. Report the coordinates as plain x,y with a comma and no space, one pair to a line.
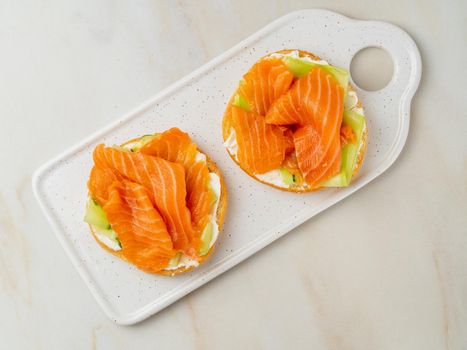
396,279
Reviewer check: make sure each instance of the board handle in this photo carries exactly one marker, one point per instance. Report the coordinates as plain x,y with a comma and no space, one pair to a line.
401,48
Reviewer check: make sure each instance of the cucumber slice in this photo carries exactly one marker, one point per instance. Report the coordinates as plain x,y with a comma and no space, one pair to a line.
136,145
300,67
108,237
349,151
206,238
110,233
146,138
342,179
349,159
175,260
339,180
122,149
96,216
241,102
213,197
355,121
287,176
341,75
297,66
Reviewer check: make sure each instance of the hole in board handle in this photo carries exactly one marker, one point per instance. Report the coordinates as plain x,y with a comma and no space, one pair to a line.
372,68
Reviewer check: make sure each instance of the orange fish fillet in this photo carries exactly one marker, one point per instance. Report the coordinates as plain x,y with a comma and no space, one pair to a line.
176,146
140,227
165,182
261,147
99,183
266,81
315,101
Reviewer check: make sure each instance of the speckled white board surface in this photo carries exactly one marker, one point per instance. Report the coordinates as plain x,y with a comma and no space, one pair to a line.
257,214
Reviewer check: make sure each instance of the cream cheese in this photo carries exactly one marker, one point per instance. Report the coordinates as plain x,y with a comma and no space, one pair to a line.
200,157
215,183
185,261
273,177
351,102
231,143
296,54
104,239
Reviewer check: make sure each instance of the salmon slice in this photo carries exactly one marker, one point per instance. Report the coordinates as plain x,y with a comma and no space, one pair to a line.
291,164
265,82
173,145
200,196
165,182
316,165
330,166
261,147
315,102
99,183
176,146
140,227
289,140
309,149
306,101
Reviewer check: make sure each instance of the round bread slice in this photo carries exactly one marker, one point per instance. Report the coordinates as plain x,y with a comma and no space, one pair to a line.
226,132
220,215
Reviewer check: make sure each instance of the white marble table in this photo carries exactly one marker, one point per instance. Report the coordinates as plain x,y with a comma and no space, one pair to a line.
384,269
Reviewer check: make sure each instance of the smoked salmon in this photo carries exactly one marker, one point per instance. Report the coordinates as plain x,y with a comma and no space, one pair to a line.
266,81
166,184
261,147
291,121
141,229
99,183
176,146
158,200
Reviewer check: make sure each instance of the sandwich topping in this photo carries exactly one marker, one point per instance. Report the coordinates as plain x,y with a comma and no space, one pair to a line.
154,201
294,122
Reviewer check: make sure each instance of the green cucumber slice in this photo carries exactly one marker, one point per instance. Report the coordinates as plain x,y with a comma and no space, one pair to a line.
96,216
241,102
146,138
339,180
287,176
342,179
213,197
110,234
122,149
349,151
355,121
136,145
175,260
206,238
300,67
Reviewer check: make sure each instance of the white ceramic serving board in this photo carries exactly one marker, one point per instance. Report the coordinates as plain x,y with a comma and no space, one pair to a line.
257,214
